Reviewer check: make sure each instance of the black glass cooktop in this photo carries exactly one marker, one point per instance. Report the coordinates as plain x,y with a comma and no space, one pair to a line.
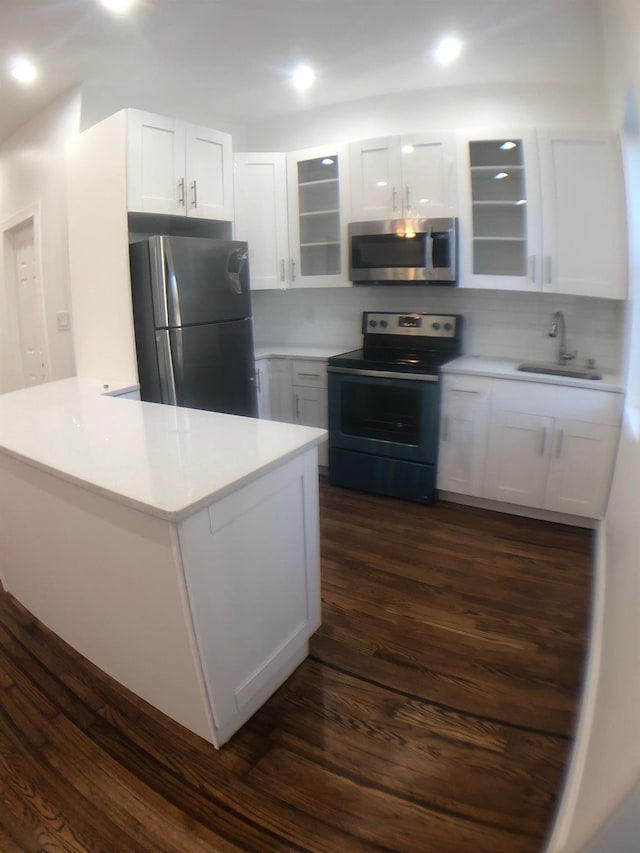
406,361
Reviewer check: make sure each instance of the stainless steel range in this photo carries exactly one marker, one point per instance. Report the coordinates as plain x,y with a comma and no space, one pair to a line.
384,404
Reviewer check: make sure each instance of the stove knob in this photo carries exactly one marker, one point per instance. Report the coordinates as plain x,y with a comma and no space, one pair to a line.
435,326
448,326
373,323
384,324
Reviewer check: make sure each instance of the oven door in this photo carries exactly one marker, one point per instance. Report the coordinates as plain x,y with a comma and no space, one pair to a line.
385,414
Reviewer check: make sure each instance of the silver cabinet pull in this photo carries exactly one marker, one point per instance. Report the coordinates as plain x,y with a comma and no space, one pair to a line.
297,408
532,268
408,198
310,375
258,382
293,270
543,441
194,187
463,391
547,264
283,270
445,428
395,199
559,444
181,192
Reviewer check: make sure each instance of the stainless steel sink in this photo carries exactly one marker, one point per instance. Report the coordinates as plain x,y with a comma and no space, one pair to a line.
559,370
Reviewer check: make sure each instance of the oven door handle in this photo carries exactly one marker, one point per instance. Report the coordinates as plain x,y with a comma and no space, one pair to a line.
385,374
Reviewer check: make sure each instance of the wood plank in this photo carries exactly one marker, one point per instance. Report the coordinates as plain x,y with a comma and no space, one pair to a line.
435,712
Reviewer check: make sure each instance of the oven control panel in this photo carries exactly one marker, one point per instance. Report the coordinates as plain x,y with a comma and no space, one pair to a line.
415,325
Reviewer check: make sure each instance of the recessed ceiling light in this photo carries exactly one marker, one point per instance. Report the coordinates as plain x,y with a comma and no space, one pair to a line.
23,70
117,6
303,78
447,49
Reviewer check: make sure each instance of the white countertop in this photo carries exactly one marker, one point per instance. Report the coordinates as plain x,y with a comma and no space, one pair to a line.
502,368
164,460
301,350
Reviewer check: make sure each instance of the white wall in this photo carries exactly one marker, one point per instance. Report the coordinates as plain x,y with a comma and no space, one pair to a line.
565,104
605,766
32,173
497,323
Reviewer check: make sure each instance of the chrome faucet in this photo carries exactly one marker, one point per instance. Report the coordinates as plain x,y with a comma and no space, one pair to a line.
559,326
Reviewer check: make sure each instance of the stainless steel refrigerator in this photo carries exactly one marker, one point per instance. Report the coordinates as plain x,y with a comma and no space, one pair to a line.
193,326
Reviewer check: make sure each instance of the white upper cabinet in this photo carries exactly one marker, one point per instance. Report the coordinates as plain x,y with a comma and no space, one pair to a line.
499,227
178,168
403,176
260,188
318,206
583,218
542,212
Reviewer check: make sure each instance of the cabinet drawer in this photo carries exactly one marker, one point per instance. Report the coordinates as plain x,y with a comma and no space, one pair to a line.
311,373
463,387
557,401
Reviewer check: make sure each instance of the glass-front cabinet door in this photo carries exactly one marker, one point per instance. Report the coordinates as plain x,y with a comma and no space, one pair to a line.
318,216
501,246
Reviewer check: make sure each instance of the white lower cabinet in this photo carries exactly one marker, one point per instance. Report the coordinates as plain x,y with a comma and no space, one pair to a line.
580,469
254,596
295,391
463,433
529,444
263,388
281,390
517,458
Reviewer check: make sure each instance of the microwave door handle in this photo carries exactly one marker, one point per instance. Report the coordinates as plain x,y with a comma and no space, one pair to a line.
428,251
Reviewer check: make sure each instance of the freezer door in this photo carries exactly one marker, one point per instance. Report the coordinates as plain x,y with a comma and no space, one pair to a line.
197,280
210,367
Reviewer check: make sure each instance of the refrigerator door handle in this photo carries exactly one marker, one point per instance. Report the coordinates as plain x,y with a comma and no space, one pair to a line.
236,262
171,286
165,367
158,282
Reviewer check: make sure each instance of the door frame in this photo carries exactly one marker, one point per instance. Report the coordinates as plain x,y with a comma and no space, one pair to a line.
31,213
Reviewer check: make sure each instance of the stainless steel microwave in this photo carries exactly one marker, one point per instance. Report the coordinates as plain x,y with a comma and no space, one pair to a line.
404,251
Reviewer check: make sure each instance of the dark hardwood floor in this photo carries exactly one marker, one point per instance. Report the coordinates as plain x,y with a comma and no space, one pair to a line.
434,713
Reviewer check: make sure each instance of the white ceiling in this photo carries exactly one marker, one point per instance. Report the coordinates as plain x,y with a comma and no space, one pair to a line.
232,57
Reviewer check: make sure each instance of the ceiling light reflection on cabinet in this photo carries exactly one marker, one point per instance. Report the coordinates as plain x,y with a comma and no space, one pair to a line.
500,176
508,146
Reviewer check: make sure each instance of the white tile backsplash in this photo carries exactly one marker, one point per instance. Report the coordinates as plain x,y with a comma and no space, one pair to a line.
497,323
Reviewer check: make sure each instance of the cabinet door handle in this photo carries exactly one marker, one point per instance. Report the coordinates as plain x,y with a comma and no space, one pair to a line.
559,444
464,391
310,375
258,381
293,270
408,198
297,408
181,192
547,264
283,270
194,187
445,428
532,268
543,441
395,199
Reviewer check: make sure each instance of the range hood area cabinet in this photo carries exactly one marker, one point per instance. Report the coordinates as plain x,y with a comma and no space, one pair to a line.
542,211
178,168
293,210
409,176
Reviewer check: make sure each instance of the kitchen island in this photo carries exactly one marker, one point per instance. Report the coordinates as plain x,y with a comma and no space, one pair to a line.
176,549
